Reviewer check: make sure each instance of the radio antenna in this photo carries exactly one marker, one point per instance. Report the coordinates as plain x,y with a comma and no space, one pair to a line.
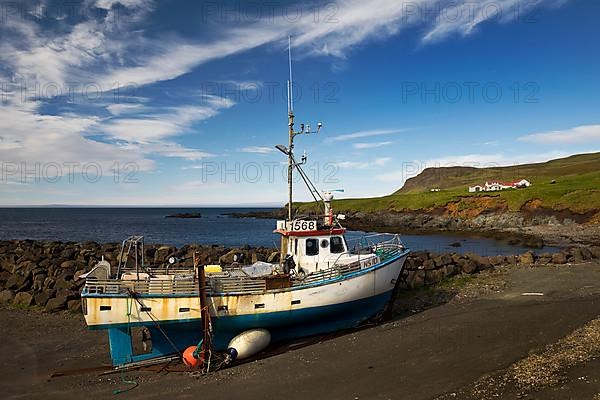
290,81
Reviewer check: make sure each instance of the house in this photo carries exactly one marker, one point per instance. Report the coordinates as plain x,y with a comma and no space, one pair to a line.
496,186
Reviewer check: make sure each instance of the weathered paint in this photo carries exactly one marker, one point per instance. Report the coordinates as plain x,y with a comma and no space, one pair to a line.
126,310
315,308
285,325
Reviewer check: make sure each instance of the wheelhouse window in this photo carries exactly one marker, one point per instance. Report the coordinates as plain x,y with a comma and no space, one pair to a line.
336,244
312,247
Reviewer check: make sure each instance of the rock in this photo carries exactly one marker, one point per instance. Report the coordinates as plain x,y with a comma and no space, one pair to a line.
42,298
23,298
63,284
274,257
450,270
468,266
56,304
68,253
527,258
595,250
429,265
162,254
6,296
497,260
559,258
433,276
18,283
69,264
441,260
586,253
49,283
229,256
415,279
544,258
74,306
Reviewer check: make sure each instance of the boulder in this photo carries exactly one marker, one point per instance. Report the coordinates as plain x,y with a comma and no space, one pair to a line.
527,258
429,265
69,264
468,266
559,258
23,298
74,306
586,253
18,283
544,258
49,283
433,276
415,279
42,298
450,270
6,296
273,257
497,260
162,254
441,260
66,285
38,282
56,304
228,257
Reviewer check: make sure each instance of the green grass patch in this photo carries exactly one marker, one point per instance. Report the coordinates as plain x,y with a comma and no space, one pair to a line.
571,183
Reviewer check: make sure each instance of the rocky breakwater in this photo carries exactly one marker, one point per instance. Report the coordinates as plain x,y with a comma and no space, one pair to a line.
45,274
423,268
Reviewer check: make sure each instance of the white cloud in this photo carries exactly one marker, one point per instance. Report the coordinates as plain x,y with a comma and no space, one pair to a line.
363,134
125,108
257,149
374,145
31,138
463,18
577,135
378,162
189,167
163,123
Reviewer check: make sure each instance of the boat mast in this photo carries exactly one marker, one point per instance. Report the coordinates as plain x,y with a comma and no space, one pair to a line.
291,132
289,151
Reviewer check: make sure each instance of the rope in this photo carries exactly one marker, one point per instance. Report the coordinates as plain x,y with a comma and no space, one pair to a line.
156,324
125,381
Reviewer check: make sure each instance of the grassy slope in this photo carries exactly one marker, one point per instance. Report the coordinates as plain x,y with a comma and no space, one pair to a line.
577,187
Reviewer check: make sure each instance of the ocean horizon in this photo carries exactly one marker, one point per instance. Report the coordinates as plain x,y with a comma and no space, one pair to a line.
215,227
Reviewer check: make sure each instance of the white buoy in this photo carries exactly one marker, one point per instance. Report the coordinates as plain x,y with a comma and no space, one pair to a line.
248,343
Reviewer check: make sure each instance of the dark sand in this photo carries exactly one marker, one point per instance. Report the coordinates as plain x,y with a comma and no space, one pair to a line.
437,352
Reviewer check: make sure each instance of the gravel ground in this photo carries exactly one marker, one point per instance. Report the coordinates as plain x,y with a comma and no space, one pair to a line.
480,333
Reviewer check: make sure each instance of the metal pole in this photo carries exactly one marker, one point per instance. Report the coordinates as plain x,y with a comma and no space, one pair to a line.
291,130
290,166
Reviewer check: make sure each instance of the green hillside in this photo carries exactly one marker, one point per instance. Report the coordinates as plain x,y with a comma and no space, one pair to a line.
571,183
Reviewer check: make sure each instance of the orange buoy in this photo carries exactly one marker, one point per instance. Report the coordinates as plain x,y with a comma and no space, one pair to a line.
189,359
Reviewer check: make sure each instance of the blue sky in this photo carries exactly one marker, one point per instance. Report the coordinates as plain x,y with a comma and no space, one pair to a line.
137,102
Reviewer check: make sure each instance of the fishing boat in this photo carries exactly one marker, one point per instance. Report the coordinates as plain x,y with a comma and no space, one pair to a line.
321,284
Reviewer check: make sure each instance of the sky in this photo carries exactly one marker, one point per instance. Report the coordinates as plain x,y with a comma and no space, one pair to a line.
169,103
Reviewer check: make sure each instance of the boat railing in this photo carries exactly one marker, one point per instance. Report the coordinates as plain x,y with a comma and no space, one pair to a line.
370,250
181,282
154,286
